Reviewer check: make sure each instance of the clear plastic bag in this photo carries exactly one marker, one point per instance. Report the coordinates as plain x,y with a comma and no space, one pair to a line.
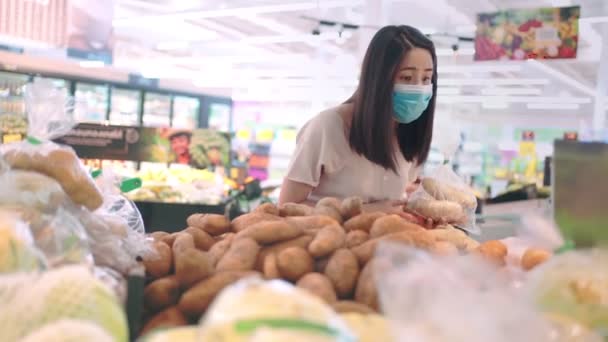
258,310
433,298
49,116
444,198
18,252
30,301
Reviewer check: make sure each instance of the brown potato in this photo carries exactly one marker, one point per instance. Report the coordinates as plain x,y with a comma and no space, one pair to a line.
366,292
327,240
302,241
294,262
362,222
169,239
161,293
158,266
192,266
217,251
331,202
158,236
202,239
349,306
534,257
311,223
241,256
343,270
355,238
329,212
245,221
266,233
351,207
271,269
319,285
295,209
196,300
169,318
268,208
183,242
214,224
392,224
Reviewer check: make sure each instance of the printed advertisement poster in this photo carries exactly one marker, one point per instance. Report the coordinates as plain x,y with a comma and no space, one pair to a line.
201,148
527,34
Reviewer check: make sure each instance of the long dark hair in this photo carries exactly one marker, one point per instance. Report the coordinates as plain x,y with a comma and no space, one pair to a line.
373,101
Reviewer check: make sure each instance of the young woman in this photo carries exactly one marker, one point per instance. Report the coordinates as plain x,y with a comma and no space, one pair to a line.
373,145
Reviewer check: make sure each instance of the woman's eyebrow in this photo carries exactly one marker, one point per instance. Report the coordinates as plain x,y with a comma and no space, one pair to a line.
414,68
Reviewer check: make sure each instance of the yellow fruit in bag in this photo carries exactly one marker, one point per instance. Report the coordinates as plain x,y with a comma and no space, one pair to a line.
17,251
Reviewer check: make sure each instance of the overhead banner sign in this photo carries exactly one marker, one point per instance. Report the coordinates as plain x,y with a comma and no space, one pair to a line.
521,34
200,148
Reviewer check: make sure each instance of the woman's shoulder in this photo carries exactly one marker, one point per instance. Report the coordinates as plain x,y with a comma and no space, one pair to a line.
331,120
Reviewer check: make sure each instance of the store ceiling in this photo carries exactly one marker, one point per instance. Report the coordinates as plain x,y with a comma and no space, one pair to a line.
265,49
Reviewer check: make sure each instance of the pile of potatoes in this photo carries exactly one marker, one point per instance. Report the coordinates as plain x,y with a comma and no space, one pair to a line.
328,250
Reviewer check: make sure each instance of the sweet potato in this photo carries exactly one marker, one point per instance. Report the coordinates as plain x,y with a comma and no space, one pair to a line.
355,238
327,240
295,209
321,264
351,207
362,222
158,236
329,212
319,285
169,239
391,224
343,270
349,306
534,257
439,211
330,202
266,233
202,239
365,251
444,248
311,223
195,301
493,251
217,251
366,292
159,265
214,224
192,266
271,269
241,256
294,262
302,241
245,221
161,293
268,208
168,318
183,242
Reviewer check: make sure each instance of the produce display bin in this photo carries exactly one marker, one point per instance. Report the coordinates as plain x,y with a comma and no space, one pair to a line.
171,217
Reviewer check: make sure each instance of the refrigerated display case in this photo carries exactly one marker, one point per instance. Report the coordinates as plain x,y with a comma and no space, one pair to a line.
157,110
13,122
185,112
124,108
91,102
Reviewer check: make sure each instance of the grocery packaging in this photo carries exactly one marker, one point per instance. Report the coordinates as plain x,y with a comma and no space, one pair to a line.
443,197
17,249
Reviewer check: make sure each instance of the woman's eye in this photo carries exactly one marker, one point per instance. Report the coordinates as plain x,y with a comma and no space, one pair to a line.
406,78
426,80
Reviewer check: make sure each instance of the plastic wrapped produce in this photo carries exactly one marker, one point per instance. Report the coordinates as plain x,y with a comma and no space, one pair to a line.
31,301
257,310
444,198
430,298
17,249
69,330
48,111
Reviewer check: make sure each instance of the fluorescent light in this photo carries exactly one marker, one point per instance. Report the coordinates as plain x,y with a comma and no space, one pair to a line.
91,64
448,91
492,81
516,99
511,91
494,105
450,52
480,67
553,106
174,45
239,11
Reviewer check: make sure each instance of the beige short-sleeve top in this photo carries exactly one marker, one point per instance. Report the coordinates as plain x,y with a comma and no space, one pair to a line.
324,160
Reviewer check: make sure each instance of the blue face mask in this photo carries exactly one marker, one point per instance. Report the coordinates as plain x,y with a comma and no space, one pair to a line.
410,101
